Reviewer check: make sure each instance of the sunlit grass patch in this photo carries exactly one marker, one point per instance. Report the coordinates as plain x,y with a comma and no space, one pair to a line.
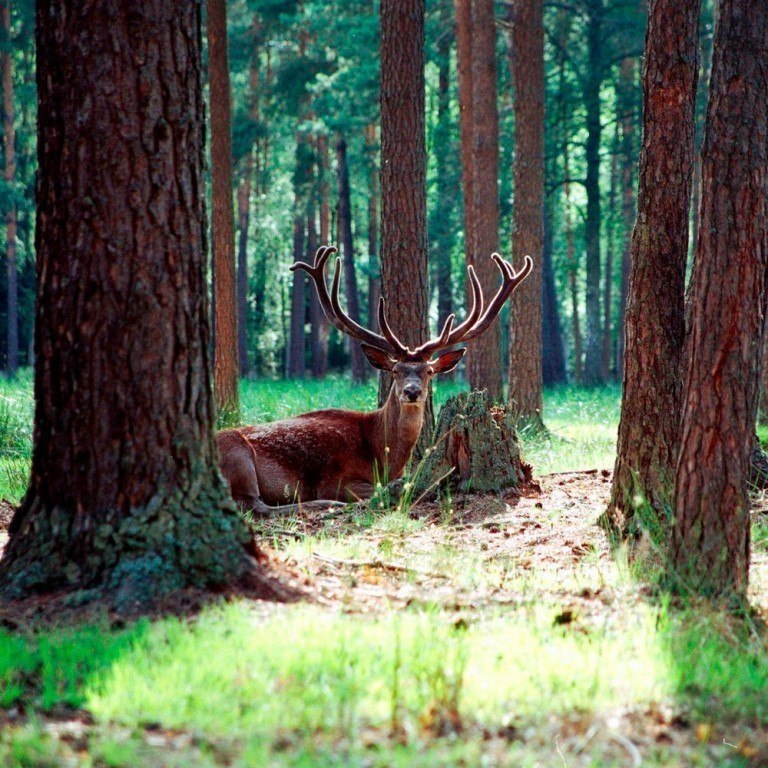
582,425
307,673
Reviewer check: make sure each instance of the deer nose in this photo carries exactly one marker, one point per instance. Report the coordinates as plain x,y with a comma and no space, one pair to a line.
412,392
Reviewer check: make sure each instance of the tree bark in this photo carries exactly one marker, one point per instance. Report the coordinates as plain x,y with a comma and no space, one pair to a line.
9,174
225,343
359,364
525,375
592,225
403,180
710,536
655,320
124,494
484,354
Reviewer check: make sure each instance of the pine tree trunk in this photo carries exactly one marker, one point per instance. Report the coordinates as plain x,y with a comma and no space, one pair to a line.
593,82
225,346
374,266
319,353
317,316
359,364
442,235
628,164
484,355
463,11
9,141
655,320
124,495
403,180
525,376
611,245
243,218
563,28
298,338
710,537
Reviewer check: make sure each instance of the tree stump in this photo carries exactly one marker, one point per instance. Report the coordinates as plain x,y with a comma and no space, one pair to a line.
476,449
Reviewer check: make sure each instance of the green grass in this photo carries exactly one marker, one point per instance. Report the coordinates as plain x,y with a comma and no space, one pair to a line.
304,686
307,687
581,423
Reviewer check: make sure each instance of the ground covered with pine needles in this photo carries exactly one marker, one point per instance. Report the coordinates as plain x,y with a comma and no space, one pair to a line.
474,631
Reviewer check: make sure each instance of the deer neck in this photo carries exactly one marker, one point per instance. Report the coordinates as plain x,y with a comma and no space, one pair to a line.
398,428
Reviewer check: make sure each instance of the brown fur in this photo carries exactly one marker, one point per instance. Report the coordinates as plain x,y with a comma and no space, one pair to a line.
327,454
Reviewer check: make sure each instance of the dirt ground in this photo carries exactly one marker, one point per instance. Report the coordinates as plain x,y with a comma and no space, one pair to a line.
547,536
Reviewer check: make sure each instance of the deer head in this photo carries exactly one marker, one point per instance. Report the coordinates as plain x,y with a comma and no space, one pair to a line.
412,369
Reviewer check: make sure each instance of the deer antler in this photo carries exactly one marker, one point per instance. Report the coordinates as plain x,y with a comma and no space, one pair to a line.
388,343
476,322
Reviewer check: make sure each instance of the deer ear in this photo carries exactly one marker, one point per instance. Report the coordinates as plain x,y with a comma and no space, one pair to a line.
378,358
447,361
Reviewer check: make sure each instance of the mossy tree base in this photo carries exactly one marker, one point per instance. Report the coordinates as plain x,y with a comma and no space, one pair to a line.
476,449
186,538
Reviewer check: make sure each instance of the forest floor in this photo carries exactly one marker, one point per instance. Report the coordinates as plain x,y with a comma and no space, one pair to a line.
480,631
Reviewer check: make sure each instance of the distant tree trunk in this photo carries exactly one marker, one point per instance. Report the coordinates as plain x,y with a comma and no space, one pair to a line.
655,322
298,340
359,364
403,179
710,537
609,251
374,267
463,11
316,314
563,27
225,346
628,164
703,90
525,375
441,231
592,103
317,344
9,141
552,352
243,218
484,356
125,499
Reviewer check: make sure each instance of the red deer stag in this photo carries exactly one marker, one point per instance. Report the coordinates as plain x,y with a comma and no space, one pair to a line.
324,457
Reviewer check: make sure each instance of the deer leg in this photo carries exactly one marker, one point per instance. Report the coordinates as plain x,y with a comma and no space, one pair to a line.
359,490
260,508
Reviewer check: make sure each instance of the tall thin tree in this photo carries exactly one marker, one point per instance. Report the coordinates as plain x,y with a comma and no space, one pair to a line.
711,533
403,177
655,320
9,174
484,358
225,345
359,366
525,376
